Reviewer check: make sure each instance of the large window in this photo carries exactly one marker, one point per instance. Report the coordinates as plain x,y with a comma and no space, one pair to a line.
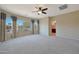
8,28
23,27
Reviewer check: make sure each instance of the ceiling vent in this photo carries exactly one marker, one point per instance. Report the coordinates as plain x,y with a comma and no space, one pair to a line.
65,6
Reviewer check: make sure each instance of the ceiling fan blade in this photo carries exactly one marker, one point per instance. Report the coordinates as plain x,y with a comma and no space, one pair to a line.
44,9
40,8
44,12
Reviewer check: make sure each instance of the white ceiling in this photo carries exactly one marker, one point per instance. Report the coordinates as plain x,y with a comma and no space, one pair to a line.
26,9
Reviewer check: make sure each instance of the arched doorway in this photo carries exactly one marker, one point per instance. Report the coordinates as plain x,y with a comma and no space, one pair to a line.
52,27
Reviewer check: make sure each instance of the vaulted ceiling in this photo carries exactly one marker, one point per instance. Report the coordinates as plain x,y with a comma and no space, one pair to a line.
26,9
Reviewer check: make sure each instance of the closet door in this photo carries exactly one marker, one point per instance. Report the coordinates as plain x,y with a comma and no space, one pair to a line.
36,27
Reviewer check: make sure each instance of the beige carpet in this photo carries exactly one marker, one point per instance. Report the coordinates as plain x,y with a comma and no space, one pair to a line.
38,44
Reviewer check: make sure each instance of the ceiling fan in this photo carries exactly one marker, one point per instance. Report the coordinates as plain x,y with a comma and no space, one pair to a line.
40,10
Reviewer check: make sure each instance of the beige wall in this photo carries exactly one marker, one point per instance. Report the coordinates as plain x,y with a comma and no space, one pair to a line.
68,25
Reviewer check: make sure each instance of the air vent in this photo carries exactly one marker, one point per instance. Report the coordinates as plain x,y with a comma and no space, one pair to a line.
63,7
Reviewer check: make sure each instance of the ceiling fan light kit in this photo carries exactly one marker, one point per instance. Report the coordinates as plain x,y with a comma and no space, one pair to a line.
41,10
